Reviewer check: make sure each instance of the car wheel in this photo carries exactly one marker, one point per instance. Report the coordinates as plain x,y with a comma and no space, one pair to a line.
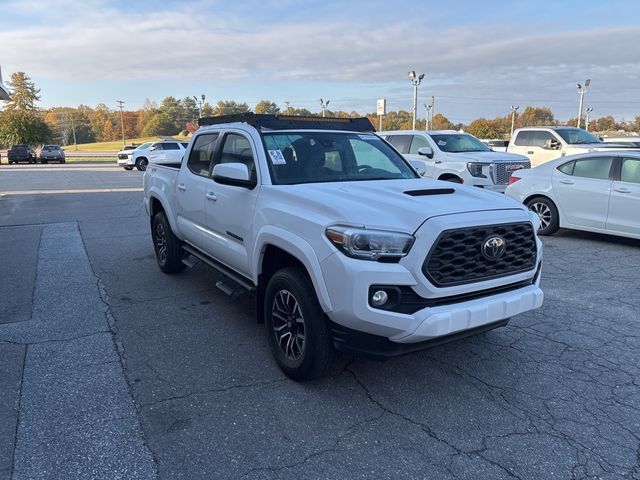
128,168
167,246
63,161
548,214
297,329
141,164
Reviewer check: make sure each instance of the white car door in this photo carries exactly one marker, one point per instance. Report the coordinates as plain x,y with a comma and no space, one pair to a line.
172,152
531,143
230,208
156,153
417,142
582,188
624,206
191,186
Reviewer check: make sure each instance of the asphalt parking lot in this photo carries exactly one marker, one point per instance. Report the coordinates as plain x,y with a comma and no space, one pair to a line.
111,369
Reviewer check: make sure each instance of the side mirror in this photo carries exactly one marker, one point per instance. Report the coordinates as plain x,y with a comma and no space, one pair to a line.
418,167
236,174
551,144
426,151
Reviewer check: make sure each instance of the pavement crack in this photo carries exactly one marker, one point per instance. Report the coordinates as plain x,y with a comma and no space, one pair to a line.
17,429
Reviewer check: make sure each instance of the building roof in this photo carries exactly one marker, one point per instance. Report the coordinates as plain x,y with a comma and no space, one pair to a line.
4,91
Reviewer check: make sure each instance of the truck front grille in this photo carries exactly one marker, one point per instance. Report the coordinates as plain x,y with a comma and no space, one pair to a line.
502,171
123,156
457,256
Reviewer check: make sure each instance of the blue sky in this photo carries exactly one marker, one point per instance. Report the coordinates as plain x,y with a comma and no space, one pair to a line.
479,57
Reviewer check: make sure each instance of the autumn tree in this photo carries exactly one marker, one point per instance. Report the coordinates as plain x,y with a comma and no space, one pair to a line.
440,122
267,106
535,117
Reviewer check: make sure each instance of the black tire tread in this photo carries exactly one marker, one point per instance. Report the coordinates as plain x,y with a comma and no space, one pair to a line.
173,262
554,225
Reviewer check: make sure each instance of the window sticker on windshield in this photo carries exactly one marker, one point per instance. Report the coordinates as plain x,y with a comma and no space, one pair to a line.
367,137
277,158
441,143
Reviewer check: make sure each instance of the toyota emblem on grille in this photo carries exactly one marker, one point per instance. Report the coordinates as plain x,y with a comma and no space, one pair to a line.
494,247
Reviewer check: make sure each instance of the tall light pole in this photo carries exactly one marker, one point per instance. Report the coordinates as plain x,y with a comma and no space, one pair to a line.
581,91
513,116
427,115
586,119
415,81
121,104
324,105
199,102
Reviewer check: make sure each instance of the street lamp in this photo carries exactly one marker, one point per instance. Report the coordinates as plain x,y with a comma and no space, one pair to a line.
587,115
581,91
513,116
324,105
415,81
199,102
427,114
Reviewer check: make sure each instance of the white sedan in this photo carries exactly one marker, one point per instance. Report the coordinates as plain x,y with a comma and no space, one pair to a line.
597,192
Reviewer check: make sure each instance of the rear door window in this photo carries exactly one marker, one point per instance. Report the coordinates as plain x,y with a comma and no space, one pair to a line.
401,142
201,154
523,139
594,167
171,146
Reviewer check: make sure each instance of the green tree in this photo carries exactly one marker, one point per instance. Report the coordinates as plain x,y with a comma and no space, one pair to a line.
208,110
23,126
229,107
267,106
24,93
159,124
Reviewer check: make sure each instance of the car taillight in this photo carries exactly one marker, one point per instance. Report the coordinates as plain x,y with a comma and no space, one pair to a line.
513,179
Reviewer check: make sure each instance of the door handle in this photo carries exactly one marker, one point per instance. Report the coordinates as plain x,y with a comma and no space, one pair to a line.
211,196
438,161
530,152
567,182
622,190
182,187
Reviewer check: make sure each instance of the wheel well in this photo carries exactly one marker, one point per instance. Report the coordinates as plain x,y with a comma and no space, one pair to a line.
450,176
537,195
141,158
156,206
274,259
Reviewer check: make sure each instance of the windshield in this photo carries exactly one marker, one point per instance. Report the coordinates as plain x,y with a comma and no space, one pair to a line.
311,157
145,146
50,147
576,136
459,143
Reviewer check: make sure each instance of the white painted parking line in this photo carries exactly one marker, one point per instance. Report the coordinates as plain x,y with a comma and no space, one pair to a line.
78,190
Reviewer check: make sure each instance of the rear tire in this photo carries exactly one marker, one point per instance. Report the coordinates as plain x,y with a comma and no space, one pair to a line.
548,214
298,331
167,246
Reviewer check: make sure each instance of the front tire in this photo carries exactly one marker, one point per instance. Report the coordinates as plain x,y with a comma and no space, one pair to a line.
548,214
167,246
141,164
298,332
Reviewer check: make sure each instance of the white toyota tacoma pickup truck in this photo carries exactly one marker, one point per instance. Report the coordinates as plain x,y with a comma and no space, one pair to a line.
345,246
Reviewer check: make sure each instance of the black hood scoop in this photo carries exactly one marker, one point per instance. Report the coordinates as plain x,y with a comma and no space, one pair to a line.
429,191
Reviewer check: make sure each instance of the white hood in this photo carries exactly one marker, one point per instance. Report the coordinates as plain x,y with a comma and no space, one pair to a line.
486,157
384,204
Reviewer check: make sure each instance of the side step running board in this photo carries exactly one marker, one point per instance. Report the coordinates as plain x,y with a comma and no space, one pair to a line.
236,277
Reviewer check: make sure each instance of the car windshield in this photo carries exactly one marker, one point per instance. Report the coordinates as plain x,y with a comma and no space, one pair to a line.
459,143
144,146
577,136
312,157
50,147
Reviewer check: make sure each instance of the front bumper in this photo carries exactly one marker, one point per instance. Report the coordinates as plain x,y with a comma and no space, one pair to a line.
125,161
450,309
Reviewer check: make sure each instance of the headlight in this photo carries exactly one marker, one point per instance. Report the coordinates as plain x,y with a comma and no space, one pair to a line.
475,169
369,244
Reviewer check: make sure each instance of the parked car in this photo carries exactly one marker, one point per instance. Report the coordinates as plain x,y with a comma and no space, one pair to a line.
344,245
541,144
627,142
137,157
167,152
21,153
456,157
52,153
497,145
597,192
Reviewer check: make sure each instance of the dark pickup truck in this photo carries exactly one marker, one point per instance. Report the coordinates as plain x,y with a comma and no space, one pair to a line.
21,153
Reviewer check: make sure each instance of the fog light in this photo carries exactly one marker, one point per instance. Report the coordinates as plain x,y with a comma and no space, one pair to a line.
379,298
